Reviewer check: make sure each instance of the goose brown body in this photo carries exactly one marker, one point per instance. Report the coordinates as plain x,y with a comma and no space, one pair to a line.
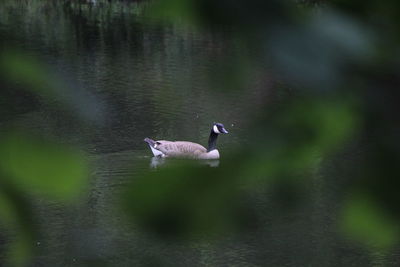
178,149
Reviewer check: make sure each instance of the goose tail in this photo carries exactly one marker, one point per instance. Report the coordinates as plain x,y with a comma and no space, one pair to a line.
152,145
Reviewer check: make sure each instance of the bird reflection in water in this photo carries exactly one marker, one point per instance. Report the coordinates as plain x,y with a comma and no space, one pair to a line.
156,162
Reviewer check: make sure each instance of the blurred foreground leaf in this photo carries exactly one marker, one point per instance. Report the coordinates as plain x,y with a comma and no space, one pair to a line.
43,167
8,212
365,221
173,10
298,136
16,215
182,200
22,69
28,73
21,250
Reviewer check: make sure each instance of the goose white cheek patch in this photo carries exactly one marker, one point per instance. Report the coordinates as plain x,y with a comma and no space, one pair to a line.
215,129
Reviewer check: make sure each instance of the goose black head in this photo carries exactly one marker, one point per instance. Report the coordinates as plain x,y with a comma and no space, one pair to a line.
219,128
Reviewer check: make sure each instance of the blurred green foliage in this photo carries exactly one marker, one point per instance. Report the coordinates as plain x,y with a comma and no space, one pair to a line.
41,166
174,203
338,66
365,220
32,165
326,54
29,73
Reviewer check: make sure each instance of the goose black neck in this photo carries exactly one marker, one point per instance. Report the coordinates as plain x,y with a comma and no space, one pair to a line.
212,141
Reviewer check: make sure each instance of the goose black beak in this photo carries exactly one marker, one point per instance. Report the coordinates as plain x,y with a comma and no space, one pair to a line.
224,131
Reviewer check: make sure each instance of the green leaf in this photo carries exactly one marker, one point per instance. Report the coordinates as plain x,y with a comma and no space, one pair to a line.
23,69
182,200
8,212
43,167
16,215
20,251
181,11
365,221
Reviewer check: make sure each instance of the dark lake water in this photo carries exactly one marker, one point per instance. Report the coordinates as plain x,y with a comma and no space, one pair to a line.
129,78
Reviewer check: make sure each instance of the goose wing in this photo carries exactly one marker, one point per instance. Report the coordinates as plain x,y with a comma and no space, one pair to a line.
180,148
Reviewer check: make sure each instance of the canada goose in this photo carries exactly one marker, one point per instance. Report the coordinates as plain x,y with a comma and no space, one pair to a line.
184,149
